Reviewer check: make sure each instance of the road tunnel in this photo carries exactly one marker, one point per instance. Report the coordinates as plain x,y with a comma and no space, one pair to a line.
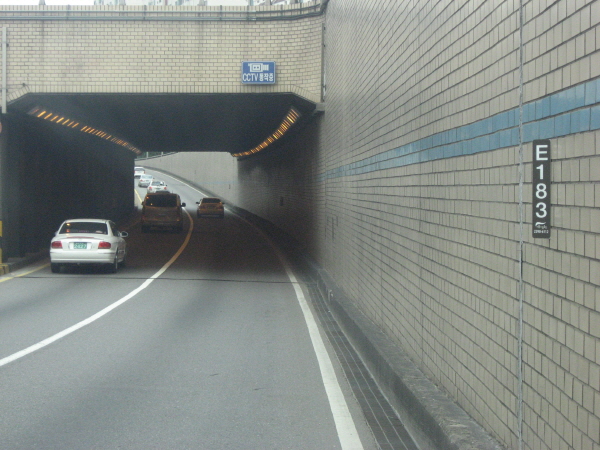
72,155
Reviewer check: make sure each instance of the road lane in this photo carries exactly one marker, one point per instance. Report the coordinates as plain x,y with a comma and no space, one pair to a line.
213,354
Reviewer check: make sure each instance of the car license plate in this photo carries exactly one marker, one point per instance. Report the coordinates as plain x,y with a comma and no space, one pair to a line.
80,245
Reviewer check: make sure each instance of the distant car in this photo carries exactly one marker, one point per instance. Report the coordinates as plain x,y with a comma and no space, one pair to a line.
162,210
145,180
88,241
138,171
157,186
210,206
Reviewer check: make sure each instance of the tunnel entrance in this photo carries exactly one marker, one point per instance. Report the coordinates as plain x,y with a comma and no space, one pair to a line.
72,155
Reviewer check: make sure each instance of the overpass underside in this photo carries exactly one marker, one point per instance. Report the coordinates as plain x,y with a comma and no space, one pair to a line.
65,155
50,173
167,122
88,89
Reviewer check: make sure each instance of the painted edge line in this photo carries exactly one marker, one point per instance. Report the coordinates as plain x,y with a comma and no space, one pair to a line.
344,423
20,354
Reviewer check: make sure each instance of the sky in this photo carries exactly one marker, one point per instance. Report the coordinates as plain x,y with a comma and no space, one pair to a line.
48,2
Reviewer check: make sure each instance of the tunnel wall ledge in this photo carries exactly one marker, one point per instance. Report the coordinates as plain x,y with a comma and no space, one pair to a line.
15,263
419,403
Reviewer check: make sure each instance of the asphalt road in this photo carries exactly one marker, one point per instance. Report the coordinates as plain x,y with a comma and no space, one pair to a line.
201,342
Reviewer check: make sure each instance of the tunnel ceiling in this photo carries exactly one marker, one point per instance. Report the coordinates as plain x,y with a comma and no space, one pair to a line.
175,122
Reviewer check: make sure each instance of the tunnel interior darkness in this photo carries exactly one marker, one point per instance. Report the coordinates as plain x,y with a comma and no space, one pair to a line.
50,172
176,122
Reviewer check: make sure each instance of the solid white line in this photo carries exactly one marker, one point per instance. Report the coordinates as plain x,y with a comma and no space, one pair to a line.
346,429
182,182
344,423
103,312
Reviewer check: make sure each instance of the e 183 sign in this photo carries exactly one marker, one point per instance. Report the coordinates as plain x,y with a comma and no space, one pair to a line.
541,189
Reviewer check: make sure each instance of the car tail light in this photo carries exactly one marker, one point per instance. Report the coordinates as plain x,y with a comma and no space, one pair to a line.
56,244
104,244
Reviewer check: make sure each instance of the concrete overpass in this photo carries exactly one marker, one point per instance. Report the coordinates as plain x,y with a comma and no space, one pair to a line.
414,191
108,83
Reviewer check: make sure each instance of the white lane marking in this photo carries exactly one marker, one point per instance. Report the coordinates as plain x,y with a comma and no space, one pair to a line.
184,183
179,181
103,312
344,423
347,433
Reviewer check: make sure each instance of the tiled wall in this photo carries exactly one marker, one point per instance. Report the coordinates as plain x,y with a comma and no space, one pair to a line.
156,56
420,186
407,190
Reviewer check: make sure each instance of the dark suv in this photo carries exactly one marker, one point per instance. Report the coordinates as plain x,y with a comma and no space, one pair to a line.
162,210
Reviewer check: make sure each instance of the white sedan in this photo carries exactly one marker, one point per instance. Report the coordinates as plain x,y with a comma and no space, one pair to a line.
145,180
157,186
88,241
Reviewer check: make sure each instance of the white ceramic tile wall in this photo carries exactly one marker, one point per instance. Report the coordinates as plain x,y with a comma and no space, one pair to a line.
157,56
430,251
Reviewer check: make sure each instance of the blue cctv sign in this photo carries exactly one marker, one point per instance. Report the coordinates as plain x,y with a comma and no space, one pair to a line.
258,72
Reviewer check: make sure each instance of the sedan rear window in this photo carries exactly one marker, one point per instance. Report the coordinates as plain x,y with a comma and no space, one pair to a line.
211,200
162,201
84,227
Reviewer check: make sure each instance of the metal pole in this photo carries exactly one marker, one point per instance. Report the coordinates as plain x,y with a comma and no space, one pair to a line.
520,416
2,266
4,82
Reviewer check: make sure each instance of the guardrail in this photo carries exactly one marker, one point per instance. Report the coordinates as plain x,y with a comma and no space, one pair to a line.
173,13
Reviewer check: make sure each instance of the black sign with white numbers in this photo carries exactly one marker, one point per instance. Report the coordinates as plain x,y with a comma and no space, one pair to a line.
541,189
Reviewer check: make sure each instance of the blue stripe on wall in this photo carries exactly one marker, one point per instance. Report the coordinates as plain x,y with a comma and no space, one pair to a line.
571,111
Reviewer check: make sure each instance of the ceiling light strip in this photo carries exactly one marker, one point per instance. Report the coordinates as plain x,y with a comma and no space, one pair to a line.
290,119
59,120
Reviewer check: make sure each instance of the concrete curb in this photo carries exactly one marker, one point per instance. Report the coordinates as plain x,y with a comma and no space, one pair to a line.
13,264
419,402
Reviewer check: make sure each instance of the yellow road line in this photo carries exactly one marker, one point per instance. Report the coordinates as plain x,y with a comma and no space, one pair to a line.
101,313
138,196
10,277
